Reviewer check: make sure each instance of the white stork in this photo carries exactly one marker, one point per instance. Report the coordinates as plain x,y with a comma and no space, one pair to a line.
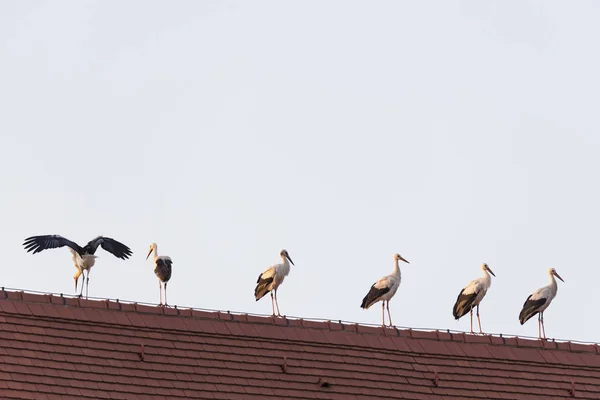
162,269
384,289
471,296
538,301
83,257
272,278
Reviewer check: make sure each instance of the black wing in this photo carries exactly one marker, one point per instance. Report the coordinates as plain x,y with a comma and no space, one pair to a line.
163,269
373,295
262,285
117,249
463,304
43,242
530,308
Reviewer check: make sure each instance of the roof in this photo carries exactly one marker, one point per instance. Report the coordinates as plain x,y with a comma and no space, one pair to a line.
56,347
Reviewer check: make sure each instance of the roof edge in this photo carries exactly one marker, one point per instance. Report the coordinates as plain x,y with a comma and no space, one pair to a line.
28,296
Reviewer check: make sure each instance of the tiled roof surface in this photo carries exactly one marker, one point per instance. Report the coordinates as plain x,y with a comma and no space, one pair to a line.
53,347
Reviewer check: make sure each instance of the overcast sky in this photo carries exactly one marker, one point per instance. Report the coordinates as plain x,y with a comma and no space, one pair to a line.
451,132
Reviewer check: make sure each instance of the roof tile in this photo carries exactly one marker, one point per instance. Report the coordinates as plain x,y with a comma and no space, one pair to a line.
57,347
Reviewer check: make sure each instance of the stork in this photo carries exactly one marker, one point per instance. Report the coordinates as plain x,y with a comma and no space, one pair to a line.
384,289
272,278
472,294
538,301
162,269
83,257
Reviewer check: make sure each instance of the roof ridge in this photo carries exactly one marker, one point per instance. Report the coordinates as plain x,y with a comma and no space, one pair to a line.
31,296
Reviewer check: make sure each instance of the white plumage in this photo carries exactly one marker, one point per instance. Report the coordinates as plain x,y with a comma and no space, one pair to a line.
272,278
472,294
539,301
384,289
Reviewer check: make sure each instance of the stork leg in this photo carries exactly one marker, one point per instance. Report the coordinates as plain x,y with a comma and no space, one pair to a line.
272,303
160,292
383,313
277,304
543,327
389,315
539,326
479,320
87,284
82,279
76,281
166,294
471,319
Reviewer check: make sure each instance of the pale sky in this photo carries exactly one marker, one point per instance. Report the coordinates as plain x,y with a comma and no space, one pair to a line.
451,132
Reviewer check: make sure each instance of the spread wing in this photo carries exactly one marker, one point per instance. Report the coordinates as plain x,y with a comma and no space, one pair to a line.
117,249
36,244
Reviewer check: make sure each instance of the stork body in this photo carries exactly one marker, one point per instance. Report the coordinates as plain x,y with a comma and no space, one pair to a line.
471,295
272,278
163,268
539,301
83,257
384,289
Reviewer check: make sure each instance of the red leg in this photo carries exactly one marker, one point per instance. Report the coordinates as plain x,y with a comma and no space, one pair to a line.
277,304
543,327
471,320
272,303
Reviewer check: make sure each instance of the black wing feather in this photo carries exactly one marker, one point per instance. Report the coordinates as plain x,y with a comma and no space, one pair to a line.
463,304
261,286
530,308
117,249
163,269
373,295
36,244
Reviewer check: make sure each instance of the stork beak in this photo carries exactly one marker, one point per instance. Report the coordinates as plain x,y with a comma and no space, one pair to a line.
288,257
490,271
149,252
400,257
558,276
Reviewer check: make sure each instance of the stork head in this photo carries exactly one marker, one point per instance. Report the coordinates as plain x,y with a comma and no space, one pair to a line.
152,248
398,257
552,271
284,254
485,267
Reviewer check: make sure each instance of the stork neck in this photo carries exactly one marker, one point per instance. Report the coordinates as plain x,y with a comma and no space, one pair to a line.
396,268
155,252
553,284
487,277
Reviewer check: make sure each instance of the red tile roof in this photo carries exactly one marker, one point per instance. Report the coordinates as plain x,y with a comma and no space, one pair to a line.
55,347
